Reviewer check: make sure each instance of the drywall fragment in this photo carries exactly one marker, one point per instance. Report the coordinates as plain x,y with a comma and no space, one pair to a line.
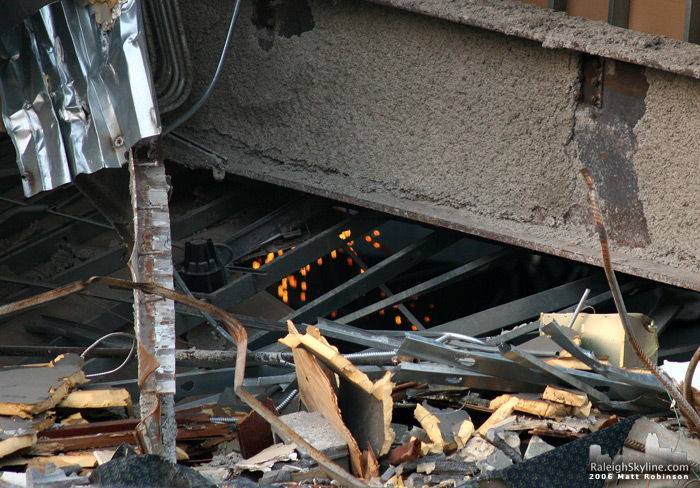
265,459
484,455
75,419
535,447
104,455
567,397
534,406
570,363
431,424
502,411
447,429
15,435
31,389
80,399
318,432
84,460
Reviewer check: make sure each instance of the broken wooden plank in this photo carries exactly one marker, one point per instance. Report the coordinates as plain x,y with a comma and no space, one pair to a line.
113,433
81,399
31,389
82,459
370,464
501,413
79,443
534,406
318,395
377,403
447,429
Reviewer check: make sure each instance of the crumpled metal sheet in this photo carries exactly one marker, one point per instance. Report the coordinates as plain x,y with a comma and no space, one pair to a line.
75,97
14,12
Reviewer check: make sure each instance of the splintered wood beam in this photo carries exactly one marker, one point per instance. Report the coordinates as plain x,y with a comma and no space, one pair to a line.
362,402
80,399
318,395
154,317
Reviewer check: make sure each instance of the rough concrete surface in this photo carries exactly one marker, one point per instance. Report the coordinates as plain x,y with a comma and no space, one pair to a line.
558,30
440,122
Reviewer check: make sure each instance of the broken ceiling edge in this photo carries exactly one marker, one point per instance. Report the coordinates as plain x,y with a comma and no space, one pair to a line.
557,30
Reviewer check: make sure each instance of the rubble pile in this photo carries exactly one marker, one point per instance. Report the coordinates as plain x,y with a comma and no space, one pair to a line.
445,411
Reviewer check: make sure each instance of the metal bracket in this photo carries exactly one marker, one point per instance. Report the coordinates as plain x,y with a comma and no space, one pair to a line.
592,72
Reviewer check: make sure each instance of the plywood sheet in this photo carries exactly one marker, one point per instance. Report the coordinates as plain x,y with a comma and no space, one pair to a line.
318,394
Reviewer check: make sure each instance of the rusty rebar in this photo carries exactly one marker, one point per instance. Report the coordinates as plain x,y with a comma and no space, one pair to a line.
686,409
690,372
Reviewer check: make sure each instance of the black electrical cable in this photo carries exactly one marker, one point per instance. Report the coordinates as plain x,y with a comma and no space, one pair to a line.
227,44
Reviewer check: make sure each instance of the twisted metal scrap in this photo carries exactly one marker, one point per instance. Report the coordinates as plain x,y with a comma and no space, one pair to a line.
237,332
688,411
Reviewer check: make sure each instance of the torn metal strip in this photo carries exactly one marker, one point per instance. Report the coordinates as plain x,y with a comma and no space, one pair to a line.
521,357
75,96
640,379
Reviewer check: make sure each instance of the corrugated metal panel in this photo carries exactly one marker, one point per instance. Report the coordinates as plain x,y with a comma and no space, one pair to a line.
75,95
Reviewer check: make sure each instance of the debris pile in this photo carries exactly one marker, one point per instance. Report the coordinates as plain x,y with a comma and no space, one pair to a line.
420,423
478,400
47,420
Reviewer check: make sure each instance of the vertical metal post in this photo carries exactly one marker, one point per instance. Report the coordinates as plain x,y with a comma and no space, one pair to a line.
558,5
691,32
619,13
154,317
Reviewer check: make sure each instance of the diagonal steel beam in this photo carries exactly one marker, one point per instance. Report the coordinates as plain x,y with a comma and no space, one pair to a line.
375,276
518,311
434,284
527,360
292,261
401,307
290,215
